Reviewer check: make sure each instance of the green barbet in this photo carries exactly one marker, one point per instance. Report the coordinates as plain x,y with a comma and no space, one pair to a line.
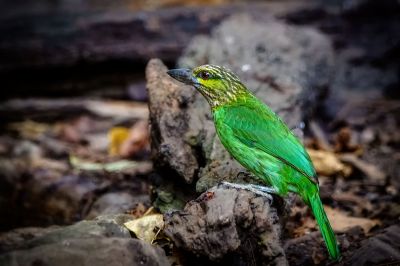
257,138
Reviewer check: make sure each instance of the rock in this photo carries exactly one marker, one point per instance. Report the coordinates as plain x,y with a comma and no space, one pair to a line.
171,106
226,221
102,252
281,64
381,249
300,250
285,66
14,238
103,241
115,202
310,249
102,226
369,8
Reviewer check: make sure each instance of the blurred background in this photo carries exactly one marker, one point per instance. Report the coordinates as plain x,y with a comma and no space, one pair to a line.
74,136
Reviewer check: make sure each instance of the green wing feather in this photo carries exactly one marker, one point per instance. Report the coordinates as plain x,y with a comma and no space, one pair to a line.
256,126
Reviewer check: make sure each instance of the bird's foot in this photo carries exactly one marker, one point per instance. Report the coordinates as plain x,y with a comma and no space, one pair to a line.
241,175
256,189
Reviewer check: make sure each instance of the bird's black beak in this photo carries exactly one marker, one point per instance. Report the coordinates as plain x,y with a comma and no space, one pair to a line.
184,75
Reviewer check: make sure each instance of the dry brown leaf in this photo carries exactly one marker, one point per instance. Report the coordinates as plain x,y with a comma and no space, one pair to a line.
74,131
30,129
341,222
147,227
49,164
370,170
357,203
308,225
327,163
116,136
120,166
320,136
344,141
137,140
127,142
118,109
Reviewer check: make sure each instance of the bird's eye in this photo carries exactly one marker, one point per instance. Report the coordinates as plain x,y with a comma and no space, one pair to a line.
204,75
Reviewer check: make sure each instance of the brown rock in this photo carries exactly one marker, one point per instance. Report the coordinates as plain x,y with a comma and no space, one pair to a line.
171,109
225,221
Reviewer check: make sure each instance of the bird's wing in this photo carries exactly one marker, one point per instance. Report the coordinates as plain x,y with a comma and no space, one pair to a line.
257,127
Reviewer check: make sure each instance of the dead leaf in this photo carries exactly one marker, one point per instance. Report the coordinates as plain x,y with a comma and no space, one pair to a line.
320,135
327,163
344,141
30,129
137,140
370,170
116,136
74,131
127,142
307,226
47,163
117,166
119,109
147,227
341,222
357,203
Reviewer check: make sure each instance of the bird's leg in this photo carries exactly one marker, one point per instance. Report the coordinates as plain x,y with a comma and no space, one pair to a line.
269,190
259,190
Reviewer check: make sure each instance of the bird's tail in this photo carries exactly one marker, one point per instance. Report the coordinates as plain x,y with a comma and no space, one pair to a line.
315,203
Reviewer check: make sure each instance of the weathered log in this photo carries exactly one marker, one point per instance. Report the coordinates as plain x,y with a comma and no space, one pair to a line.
49,109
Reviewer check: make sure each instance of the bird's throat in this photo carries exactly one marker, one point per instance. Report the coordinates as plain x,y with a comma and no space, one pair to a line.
218,97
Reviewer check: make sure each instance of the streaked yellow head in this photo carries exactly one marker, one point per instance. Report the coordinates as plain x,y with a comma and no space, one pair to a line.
218,85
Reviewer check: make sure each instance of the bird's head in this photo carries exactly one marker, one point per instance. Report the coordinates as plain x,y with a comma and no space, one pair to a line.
218,84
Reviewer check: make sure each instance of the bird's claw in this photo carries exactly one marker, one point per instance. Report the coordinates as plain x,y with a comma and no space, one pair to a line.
241,174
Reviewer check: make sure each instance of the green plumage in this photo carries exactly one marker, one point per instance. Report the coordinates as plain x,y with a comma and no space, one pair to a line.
257,138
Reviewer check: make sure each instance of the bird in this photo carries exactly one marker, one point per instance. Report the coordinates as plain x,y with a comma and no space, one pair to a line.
259,140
